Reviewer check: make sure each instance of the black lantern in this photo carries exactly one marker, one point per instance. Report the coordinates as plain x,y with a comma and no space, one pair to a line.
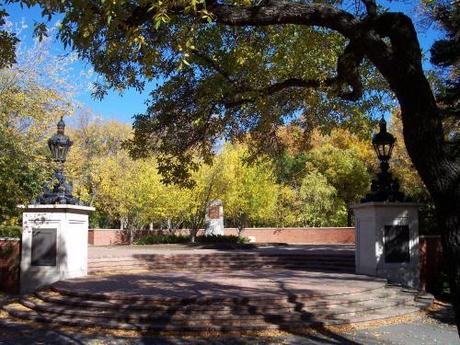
385,187
383,142
59,144
58,191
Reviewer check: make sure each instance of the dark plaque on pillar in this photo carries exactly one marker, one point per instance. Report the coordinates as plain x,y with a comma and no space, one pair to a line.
44,247
213,212
397,243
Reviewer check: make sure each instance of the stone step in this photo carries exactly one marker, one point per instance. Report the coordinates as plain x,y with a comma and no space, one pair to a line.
226,257
192,306
221,262
248,263
140,268
127,264
239,312
240,325
184,259
132,298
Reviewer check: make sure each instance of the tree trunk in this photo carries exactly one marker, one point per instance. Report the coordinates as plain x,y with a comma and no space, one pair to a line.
424,139
349,215
193,232
450,221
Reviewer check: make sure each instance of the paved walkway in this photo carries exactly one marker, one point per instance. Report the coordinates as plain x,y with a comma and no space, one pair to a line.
123,251
255,284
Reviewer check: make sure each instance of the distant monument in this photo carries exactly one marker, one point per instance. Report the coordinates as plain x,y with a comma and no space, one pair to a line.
55,227
214,218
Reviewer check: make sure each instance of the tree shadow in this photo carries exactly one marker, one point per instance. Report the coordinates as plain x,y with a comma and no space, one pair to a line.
443,313
193,297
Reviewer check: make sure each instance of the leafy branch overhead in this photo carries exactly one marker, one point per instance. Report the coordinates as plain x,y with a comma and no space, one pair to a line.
222,70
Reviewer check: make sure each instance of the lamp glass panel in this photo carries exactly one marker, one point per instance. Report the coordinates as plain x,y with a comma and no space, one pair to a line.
390,150
386,148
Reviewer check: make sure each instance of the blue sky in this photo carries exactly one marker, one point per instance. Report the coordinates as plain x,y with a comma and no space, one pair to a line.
123,107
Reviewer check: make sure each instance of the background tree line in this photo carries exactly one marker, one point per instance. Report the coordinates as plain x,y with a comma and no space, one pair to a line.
311,182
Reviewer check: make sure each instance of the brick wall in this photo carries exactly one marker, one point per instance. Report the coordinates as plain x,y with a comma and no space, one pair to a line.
10,254
105,237
299,235
431,261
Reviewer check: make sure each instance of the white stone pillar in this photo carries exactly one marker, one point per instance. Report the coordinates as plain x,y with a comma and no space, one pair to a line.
54,244
214,218
387,243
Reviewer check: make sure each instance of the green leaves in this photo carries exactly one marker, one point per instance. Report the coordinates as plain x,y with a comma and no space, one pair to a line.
40,31
8,41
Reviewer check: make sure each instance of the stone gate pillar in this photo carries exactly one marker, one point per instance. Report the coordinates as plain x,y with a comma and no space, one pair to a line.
214,218
54,244
387,243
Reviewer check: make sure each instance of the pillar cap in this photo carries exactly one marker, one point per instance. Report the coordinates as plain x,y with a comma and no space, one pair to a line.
56,208
385,204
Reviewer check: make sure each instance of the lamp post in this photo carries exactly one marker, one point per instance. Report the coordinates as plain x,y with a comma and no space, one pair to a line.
58,191
385,188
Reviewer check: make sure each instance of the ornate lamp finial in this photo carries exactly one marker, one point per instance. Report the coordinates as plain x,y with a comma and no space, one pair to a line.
58,191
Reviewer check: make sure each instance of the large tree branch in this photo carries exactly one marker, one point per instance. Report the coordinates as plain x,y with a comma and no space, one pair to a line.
272,12
240,99
284,12
347,71
371,7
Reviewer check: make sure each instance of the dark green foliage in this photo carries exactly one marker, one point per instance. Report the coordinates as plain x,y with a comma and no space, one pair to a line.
291,169
171,239
8,43
163,239
445,53
20,179
101,220
10,231
222,239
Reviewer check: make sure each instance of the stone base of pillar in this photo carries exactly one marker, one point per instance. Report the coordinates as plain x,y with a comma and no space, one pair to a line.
54,244
387,243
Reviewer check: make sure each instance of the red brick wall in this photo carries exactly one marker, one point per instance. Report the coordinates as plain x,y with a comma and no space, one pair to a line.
299,235
10,254
431,260
105,237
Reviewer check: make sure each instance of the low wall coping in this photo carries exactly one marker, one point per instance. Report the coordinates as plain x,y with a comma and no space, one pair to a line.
312,228
106,230
268,228
10,239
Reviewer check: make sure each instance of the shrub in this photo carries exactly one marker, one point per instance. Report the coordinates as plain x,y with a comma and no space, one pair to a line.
10,231
163,239
170,239
222,239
